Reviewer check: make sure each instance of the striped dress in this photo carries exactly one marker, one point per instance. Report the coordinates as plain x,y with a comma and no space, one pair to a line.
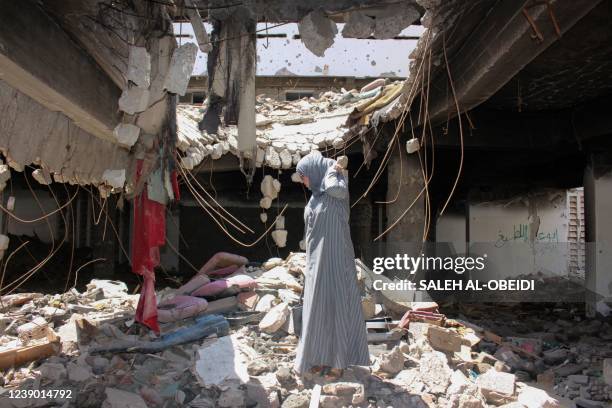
333,326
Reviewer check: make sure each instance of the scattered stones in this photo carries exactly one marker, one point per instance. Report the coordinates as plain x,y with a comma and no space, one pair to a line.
116,398
435,372
535,398
497,387
390,363
275,318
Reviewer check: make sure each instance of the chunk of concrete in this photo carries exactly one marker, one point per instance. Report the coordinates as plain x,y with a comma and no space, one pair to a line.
181,67
134,100
265,203
393,20
435,372
280,238
139,66
265,303
263,217
267,187
114,178
247,300
4,242
42,176
391,362
126,134
358,25
497,387
444,339
532,397
275,318
221,360
285,158
317,32
116,398
272,263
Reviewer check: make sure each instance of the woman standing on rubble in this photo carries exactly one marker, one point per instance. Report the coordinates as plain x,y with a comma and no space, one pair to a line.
333,328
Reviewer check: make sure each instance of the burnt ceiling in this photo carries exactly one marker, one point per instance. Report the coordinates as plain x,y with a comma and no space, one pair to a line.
575,69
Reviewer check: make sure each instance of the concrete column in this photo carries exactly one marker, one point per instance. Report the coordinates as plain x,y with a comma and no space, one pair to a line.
407,235
361,230
598,220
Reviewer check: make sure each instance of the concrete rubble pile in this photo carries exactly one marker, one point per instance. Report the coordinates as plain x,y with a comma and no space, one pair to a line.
229,337
286,130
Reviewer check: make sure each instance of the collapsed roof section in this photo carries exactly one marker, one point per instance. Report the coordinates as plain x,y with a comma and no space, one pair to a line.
287,130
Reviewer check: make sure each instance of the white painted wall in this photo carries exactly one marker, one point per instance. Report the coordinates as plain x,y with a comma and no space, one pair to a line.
346,57
503,232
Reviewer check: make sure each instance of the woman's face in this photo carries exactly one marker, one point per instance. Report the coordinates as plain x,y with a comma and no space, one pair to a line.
305,180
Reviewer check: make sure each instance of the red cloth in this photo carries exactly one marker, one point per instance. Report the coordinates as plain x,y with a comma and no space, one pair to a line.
149,233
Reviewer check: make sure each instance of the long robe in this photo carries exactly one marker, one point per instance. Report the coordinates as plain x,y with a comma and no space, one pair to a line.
333,326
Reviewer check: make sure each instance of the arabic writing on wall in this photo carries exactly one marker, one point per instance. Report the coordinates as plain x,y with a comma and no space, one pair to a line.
520,233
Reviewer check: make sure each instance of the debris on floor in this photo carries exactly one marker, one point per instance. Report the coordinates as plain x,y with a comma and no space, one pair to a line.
229,335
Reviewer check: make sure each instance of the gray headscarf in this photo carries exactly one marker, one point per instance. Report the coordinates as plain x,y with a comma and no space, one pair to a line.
314,166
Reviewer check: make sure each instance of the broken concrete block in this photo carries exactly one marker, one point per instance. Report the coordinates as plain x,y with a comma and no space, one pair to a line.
393,20
134,100
263,217
14,165
181,67
302,245
444,339
116,398
317,32
272,263
259,158
217,151
4,242
114,178
435,372
230,398
280,238
285,158
42,176
126,134
247,300
265,203
36,329
267,187
532,397
5,173
265,303
413,145
272,158
275,318
497,387
351,393
358,25
263,391
391,362
197,24
139,67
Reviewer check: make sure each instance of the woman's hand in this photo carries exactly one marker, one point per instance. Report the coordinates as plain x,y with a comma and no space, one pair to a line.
341,170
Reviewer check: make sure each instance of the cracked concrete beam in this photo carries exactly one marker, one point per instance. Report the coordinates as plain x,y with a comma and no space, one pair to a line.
38,58
499,48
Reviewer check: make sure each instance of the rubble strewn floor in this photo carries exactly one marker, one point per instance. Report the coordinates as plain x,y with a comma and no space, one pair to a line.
486,355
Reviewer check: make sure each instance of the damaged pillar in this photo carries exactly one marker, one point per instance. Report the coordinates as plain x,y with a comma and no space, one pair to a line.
407,236
231,73
598,220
